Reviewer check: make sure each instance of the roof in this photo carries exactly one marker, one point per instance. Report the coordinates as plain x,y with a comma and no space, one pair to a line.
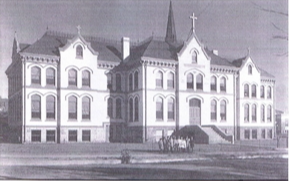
265,74
217,60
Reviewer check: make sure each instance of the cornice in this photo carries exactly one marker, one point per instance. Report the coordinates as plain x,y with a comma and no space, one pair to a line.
223,69
158,62
38,58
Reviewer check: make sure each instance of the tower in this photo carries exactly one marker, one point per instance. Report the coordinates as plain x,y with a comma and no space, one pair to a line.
171,31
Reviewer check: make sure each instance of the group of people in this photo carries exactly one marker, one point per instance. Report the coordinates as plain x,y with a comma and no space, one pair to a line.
172,144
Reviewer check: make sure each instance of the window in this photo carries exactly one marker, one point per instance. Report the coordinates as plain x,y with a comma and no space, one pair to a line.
110,108
36,135
254,119
199,82
246,90
72,77
85,108
254,91
79,52
171,109
159,108
118,108
223,84
263,134
194,57
50,76
190,81
85,135
109,81
72,135
136,80
213,83
269,92
36,106
85,78
130,109
118,82
270,134
246,113
262,92
213,110
130,82
136,109
159,80
50,135
50,107
250,69
263,113
254,134
72,106
247,134
35,75
223,110
269,114
171,83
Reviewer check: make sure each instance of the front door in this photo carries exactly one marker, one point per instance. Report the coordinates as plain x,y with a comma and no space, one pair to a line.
195,112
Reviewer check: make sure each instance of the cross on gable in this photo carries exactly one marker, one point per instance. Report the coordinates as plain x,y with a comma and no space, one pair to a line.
193,17
78,29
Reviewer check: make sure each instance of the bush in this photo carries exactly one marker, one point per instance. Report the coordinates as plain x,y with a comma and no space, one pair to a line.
125,156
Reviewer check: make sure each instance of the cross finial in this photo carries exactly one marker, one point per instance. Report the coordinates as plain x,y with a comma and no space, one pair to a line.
193,17
78,29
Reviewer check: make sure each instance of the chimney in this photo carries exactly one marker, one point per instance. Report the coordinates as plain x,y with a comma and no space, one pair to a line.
216,52
125,48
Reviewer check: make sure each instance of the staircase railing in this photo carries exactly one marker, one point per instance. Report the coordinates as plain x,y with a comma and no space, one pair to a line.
221,133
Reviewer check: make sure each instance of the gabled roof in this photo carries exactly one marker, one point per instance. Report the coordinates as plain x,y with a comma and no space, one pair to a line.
217,60
265,74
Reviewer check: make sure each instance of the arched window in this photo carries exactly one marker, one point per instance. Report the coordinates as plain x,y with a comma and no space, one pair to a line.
50,76
171,109
72,106
130,82
199,82
213,83
170,82
262,94
250,69
118,82
85,108
263,113
130,109
36,106
194,57
79,51
118,109
254,118
223,112
36,75
269,113
50,107
246,90
213,110
110,108
136,80
136,109
85,78
246,113
109,81
223,84
159,79
72,77
190,81
269,92
159,108
254,94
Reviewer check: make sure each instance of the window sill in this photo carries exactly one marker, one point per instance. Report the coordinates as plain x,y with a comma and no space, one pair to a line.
171,120
85,120
79,57
35,119
50,120
213,120
159,120
223,121
72,120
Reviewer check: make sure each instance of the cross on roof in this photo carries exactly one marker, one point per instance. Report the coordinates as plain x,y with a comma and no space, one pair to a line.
78,29
193,17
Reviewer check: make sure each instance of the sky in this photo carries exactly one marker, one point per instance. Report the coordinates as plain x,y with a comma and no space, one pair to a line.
229,26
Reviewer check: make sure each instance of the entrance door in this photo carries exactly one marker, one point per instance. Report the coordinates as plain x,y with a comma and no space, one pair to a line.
195,112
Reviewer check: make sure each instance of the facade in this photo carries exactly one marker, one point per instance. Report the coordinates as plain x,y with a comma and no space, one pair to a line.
73,88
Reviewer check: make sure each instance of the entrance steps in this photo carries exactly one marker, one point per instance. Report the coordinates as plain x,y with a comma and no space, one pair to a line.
215,137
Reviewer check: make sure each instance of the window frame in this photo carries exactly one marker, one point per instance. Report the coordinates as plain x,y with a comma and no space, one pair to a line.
72,80
159,80
213,110
50,79
86,80
199,82
51,102
213,83
79,51
35,99
86,104
72,115
171,113
190,85
160,112
35,75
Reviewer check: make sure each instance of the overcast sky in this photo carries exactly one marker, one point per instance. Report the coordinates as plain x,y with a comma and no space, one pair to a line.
230,26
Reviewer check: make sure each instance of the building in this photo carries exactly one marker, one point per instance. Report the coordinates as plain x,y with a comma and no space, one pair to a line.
73,88
3,105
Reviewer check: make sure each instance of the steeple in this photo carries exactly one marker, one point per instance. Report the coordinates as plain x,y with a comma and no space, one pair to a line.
15,48
171,36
